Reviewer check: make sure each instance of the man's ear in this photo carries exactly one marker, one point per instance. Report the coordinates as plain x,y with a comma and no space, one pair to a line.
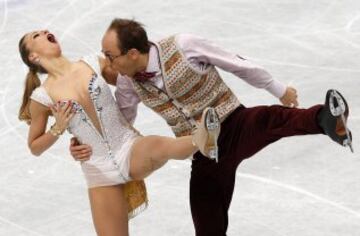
133,54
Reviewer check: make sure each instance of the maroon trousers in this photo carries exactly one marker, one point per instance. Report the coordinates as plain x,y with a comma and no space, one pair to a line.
245,132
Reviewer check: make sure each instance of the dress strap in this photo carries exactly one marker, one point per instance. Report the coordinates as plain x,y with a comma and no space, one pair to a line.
40,95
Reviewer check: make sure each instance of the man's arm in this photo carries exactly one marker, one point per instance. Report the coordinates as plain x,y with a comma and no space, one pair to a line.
199,50
126,98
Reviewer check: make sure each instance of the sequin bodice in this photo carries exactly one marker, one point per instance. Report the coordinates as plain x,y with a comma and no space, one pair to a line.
115,130
109,162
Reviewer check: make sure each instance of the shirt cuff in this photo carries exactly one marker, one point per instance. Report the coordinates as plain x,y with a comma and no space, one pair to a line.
276,88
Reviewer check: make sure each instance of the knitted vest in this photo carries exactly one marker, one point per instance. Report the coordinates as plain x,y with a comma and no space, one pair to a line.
188,90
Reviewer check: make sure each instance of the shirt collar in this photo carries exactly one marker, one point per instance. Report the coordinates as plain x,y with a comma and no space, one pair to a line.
153,64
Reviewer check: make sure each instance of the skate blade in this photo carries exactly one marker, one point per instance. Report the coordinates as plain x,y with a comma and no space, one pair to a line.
348,141
212,147
213,154
213,128
339,108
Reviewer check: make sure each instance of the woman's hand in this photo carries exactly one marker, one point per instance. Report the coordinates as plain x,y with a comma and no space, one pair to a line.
63,114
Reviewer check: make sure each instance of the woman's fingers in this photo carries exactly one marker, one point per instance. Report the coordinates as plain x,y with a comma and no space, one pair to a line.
53,109
65,108
68,111
69,117
57,107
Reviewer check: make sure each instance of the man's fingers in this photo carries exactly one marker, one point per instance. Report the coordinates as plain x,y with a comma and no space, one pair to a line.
78,155
80,148
288,104
82,158
74,142
292,89
296,103
85,152
81,154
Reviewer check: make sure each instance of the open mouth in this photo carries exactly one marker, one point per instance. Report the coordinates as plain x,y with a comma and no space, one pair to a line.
51,38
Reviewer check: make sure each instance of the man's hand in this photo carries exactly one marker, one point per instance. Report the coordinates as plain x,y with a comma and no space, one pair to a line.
78,151
290,98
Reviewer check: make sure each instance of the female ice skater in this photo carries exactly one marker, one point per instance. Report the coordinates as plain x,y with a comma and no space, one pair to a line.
77,95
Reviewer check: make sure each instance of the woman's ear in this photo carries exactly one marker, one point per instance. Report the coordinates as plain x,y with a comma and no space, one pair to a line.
33,58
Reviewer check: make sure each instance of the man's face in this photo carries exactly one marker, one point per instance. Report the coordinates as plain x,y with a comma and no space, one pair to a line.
124,64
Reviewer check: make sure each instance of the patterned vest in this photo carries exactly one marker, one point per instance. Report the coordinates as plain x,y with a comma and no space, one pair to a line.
188,90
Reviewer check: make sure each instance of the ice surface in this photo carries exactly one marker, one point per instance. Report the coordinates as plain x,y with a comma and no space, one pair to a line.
298,186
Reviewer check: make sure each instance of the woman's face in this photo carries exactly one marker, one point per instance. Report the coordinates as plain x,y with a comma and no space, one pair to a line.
42,44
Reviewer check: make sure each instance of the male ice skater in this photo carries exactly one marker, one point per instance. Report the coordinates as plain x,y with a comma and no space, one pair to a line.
177,78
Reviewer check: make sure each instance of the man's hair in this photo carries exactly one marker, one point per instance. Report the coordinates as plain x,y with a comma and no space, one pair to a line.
130,34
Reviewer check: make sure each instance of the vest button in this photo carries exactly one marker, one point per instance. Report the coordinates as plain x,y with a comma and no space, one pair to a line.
171,100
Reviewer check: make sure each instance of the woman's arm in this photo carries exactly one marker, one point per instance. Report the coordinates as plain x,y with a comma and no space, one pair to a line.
38,139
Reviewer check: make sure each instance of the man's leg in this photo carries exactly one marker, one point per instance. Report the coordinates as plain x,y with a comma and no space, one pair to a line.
252,129
245,132
211,186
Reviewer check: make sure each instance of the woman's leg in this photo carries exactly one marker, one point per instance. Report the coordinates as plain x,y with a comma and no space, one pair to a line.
152,152
109,210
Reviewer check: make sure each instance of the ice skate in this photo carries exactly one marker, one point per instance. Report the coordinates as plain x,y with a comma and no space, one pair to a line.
207,133
333,118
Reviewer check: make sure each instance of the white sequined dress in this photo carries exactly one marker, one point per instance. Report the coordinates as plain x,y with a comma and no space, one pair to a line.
109,162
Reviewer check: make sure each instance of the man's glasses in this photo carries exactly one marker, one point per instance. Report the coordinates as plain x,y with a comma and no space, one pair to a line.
111,57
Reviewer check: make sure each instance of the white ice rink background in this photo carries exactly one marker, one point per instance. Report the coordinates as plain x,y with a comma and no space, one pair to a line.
301,186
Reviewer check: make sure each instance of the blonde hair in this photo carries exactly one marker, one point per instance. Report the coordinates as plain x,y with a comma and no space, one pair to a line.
31,83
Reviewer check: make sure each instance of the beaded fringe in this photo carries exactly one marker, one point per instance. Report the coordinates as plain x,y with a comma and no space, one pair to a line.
138,210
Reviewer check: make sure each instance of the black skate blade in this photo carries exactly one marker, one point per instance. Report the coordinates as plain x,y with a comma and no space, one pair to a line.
337,104
349,144
348,140
351,148
213,154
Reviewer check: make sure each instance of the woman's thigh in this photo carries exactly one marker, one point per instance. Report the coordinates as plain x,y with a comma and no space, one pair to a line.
109,210
147,156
